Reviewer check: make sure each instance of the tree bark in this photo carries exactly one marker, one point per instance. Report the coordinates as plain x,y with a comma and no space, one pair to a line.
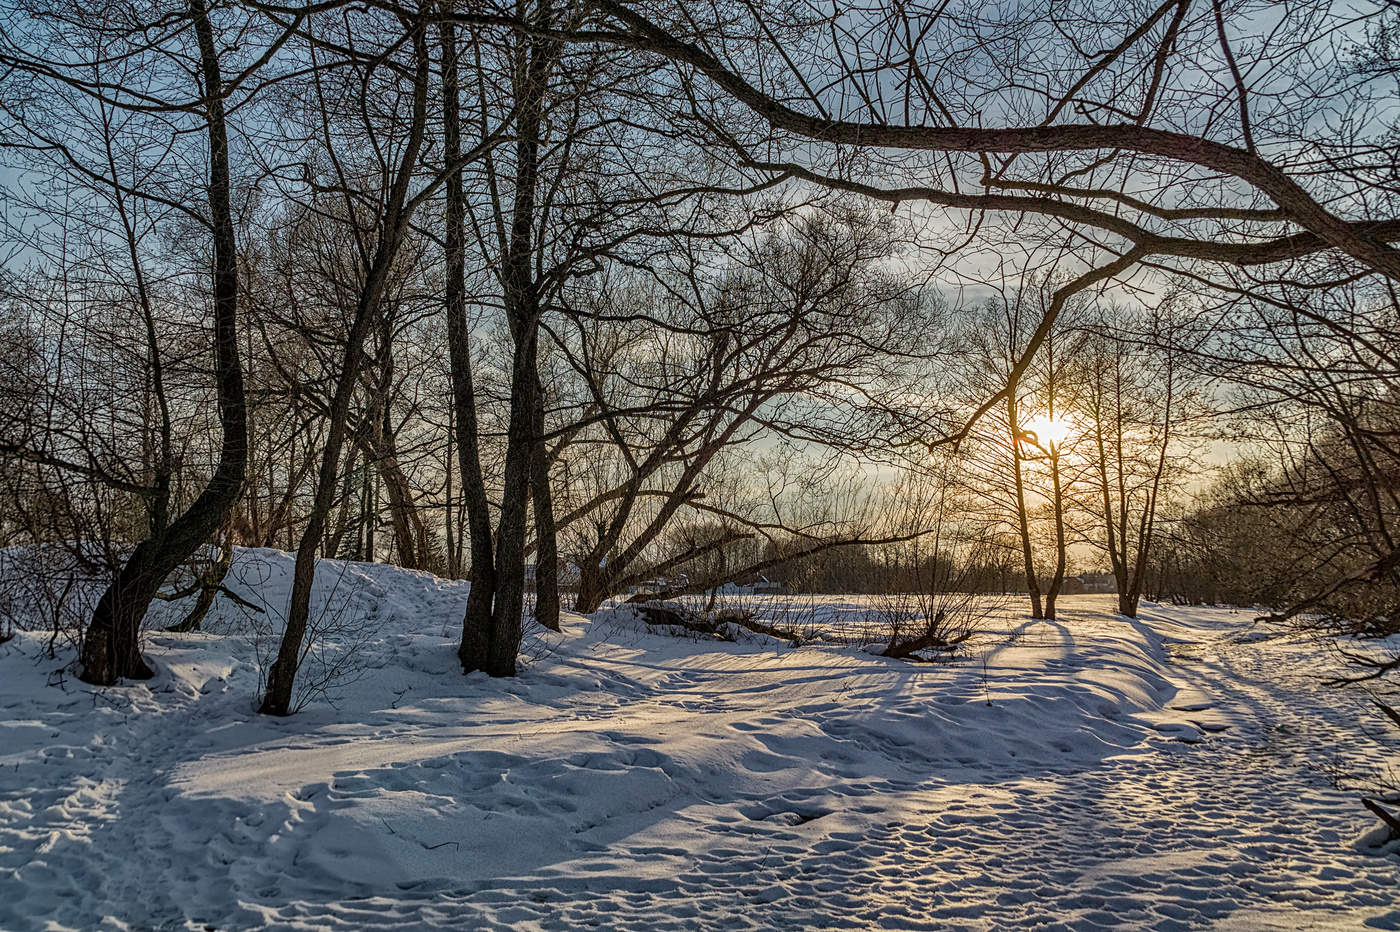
593,589
281,676
111,649
476,621
546,538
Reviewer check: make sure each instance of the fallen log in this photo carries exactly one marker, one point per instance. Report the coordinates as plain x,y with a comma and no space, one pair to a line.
907,648
1389,818
718,625
667,614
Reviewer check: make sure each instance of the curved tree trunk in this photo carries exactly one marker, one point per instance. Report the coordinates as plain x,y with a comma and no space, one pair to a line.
111,648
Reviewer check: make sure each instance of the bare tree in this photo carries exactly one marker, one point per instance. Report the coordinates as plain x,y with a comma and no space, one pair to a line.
1215,199
378,237
1135,401
1029,447
80,77
682,369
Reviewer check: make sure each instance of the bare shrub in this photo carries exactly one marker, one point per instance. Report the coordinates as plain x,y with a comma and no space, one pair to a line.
50,588
338,630
795,619
932,600
928,621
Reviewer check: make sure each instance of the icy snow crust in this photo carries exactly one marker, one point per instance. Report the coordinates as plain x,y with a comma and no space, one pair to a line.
1169,773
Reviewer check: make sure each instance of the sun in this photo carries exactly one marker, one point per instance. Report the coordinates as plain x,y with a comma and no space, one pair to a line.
1048,432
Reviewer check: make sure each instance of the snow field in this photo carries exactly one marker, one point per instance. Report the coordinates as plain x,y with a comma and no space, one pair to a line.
1088,773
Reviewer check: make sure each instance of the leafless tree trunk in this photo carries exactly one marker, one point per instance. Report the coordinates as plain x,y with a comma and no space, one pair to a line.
111,649
1023,522
1130,403
546,535
278,698
476,622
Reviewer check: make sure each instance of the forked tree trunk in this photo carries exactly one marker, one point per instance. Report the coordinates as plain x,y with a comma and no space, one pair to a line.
520,291
111,648
522,442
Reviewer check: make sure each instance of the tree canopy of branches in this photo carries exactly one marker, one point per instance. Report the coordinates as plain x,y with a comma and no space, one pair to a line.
611,296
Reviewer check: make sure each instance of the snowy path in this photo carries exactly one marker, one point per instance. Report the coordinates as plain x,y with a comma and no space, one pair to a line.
631,781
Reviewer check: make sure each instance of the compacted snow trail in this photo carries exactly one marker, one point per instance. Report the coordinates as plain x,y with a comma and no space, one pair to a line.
1093,773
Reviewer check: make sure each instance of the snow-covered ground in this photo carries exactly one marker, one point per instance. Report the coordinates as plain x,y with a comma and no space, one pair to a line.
1176,772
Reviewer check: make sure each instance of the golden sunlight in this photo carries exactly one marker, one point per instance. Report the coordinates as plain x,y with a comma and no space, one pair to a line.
1049,433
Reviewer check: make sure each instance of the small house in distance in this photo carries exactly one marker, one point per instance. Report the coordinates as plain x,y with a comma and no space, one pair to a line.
765,586
1092,583
760,586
